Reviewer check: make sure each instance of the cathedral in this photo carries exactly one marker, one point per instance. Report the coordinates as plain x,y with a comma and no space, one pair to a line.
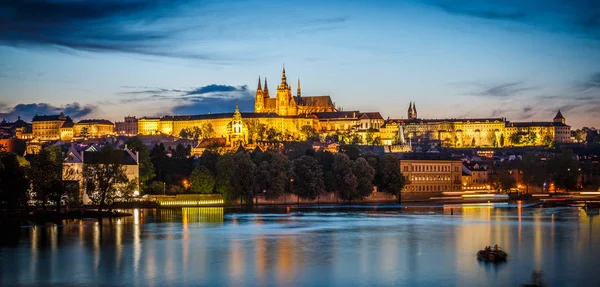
285,104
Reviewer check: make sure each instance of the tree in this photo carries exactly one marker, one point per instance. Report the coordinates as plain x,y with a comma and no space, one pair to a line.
502,140
547,141
345,179
13,182
135,144
207,131
473,142
532,170
392,180
273,135
307,178
326,159
515,139
531,138
272,174
84,133
156,187
564,170
225,172
364,174
185,133
105,178
308,133
504,179
369,135
243,181
580,135
45,172
202,180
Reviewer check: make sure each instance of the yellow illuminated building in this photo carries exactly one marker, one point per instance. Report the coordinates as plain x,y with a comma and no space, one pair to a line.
95,128
477,132
50,128
425,172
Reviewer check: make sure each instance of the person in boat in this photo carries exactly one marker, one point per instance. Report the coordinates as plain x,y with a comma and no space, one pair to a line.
487,248
496,247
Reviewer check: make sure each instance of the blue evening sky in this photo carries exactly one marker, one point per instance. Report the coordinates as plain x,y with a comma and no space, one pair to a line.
519,59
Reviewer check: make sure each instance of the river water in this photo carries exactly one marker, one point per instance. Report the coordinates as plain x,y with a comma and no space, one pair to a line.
383,246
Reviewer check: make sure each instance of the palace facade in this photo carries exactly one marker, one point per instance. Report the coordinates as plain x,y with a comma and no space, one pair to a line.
475,132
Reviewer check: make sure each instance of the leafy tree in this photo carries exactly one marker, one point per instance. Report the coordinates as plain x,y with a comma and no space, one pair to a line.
272,174
307,178
185,133
225,172
135,144
45,172
547,140
373,161
515,139
160,161
580,135
273,135
392,180
84,133
308,133
326,159
176,189
351,151
209,159
13,182
473,142
369,135
532,170
531,138
202,180
106,178
207,131
504,179
502,140
564,170
364,174
345,179
244,181
156,187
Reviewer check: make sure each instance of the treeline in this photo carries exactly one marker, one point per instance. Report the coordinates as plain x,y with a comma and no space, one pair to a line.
296,169
562,169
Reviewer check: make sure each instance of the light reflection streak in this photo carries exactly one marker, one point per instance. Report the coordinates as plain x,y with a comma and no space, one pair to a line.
137,249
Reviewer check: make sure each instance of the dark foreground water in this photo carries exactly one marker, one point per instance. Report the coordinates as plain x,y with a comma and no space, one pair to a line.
324,247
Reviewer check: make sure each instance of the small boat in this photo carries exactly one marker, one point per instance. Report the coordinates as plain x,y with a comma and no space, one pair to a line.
489,254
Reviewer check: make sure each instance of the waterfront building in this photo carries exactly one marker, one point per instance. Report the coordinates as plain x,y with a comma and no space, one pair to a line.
430,172
76,159
128,127
476,176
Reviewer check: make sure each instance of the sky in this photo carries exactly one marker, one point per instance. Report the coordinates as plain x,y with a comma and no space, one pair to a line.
518,59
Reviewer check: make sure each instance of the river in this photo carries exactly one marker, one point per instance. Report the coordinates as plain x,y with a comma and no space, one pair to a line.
383,246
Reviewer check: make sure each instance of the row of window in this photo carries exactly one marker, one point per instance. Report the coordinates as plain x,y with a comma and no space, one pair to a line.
433,188
421,168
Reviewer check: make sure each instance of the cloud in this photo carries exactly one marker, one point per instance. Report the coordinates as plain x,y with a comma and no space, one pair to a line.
579,17
134,26
27,111
501,91
592,83
527,109
207,99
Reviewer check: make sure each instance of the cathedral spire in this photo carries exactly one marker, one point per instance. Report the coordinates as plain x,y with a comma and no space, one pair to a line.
259,87
414,110
266,89
298,94
283,78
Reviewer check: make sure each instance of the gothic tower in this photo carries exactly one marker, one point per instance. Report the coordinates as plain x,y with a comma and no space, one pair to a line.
298,94
412,112
286,106
259,101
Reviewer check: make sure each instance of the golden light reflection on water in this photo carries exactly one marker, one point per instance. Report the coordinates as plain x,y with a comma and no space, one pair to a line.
194,244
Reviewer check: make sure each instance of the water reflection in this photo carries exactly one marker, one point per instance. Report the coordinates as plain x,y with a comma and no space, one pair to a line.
212,247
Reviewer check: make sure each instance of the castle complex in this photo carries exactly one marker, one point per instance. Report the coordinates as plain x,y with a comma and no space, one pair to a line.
286,117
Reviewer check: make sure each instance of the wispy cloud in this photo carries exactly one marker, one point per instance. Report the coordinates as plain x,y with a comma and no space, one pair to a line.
500,90
27,111
211,98
574,17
